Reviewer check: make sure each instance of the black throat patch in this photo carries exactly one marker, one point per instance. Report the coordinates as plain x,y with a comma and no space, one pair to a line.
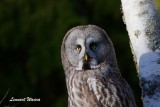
86,66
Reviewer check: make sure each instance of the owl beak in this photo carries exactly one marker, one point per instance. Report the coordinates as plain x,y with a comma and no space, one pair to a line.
85,57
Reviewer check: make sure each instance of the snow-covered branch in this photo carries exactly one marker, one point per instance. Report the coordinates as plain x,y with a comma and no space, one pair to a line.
143,26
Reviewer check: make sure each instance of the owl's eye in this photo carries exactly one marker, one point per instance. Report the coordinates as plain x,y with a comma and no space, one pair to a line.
78,48
93,46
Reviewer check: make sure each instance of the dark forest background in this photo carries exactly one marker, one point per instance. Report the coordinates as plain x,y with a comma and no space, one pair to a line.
31,33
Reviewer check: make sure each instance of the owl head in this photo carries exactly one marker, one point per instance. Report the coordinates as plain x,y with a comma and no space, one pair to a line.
87,47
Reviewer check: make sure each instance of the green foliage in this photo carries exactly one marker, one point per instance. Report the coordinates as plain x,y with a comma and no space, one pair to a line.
157,2
31,33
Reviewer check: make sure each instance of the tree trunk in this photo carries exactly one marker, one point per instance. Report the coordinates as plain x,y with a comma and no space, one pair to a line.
143,26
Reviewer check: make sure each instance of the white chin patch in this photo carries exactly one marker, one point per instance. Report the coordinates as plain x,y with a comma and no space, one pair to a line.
80,66
95,66
92,65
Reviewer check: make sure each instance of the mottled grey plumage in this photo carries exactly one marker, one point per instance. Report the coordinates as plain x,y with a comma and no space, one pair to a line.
92,76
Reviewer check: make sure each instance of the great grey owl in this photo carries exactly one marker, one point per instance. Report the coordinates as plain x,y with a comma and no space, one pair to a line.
92,75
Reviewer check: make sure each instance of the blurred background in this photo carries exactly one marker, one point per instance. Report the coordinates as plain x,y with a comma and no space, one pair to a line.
31,33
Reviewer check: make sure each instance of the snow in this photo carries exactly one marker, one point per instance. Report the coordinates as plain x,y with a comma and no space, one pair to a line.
149,65
150,102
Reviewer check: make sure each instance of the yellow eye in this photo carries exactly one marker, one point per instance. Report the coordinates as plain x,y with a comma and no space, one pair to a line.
93,46
78,48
